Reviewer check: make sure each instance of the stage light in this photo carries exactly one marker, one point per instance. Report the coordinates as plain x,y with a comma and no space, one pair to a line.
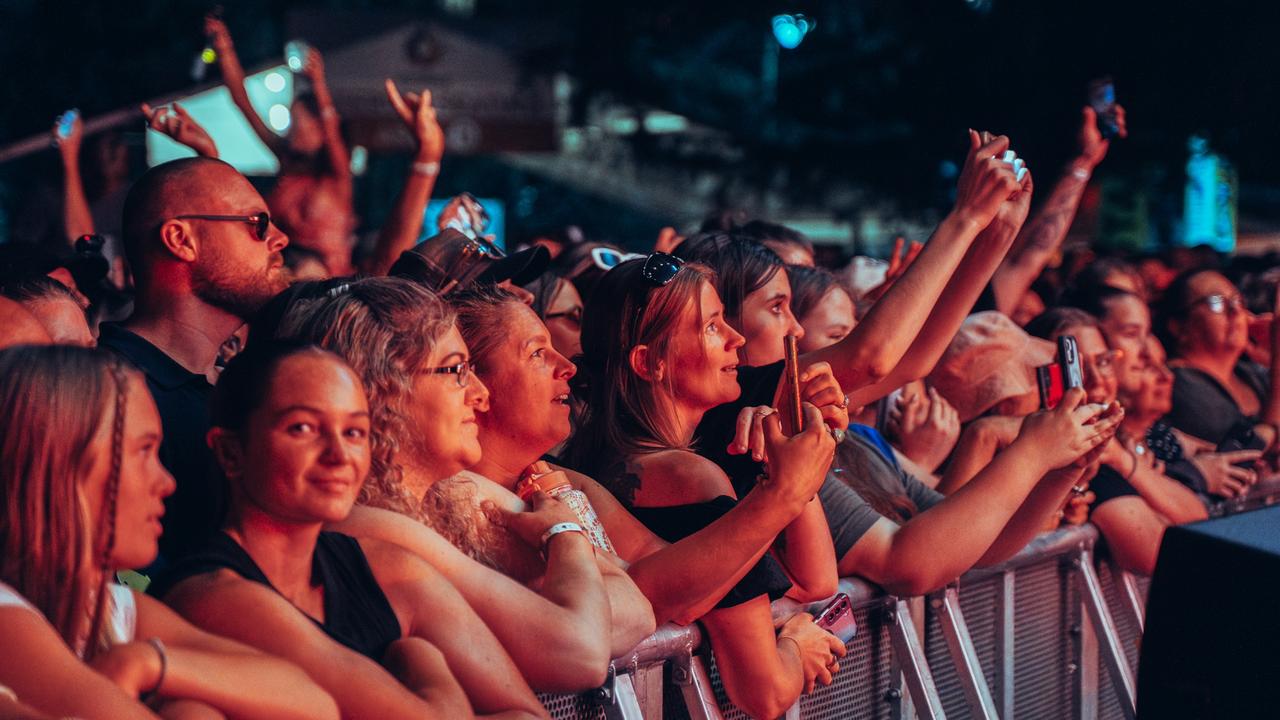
274,82
789,30
278,116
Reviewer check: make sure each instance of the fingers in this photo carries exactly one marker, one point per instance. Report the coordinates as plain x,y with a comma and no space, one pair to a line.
995,147
1071,400
757,435
975,140
916,248
397,101
1120,121
1088,117
813,419
1243,475
895,256
1238,456
742,431
815,370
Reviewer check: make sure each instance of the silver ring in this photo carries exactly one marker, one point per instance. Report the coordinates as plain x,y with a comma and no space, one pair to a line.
844,405
837,434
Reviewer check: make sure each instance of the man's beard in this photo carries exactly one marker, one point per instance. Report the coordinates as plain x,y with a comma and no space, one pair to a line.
241,294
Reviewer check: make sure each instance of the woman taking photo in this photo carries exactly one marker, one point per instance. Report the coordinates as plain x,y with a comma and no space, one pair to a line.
373,624
658,354
83,490
403,344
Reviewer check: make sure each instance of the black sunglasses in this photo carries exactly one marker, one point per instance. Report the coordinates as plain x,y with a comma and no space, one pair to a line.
661,268
261,222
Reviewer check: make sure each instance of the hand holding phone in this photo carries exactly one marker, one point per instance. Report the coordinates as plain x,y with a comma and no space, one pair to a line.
1055,379
1102,98
836,617
792,414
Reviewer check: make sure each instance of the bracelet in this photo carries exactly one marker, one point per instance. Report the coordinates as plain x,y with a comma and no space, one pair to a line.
164,667
799,650
559,528
1080,173
1134,471
426,168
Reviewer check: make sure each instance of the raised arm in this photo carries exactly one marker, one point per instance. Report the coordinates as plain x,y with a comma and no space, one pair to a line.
180,126
335,148
551,642
941,543
233,76
432,610
959,295
403,226
1043,235
220,602
77,218
879,342
39,667
226,675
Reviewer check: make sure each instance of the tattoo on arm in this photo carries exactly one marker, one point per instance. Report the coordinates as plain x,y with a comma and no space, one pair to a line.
1049,226
623,480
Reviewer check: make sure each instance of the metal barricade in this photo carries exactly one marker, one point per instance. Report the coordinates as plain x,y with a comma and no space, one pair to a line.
1049,633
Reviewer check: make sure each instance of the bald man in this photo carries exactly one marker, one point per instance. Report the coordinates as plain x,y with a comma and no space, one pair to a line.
205,256
20,327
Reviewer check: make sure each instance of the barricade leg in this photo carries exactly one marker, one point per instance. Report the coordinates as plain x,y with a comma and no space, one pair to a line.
1005,668
690,674
963,655
915,669
1112,654
1127,584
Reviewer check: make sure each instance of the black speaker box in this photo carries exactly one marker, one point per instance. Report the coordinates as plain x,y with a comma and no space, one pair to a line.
1212,643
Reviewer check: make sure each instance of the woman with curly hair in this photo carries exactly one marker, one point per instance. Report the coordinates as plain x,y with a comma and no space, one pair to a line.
403,343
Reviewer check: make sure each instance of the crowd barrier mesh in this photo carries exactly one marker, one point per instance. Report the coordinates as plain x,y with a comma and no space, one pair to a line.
1036,649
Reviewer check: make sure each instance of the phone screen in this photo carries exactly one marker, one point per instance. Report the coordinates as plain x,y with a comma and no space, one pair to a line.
1102,98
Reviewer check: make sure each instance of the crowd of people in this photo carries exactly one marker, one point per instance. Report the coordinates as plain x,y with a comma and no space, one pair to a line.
251,470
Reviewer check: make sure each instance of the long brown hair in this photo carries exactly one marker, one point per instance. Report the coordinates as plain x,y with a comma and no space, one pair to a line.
54,401
385,328
624,416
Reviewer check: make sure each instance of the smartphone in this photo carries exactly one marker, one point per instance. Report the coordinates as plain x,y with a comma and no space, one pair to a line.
67,123
837,618
792,413
1102,98
465,214
1055,379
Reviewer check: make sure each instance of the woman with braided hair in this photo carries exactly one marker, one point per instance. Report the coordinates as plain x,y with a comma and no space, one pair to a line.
83,493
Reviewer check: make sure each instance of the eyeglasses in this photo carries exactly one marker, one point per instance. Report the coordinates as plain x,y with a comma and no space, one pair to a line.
606,258
261,222
1218,303
574,316
463,370
661,268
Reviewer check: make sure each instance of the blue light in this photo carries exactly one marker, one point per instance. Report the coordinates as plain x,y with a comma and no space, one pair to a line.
789,30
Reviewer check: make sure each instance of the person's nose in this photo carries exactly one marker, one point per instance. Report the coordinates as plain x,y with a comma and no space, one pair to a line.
564,368
335,448
794,327
735,339
276,239
477,394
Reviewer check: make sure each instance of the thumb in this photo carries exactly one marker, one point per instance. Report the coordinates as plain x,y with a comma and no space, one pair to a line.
1088,115
493,513
975,141
1071,400
812,418
773,435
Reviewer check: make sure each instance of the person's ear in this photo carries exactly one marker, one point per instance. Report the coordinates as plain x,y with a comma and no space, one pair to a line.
178,240
639,359
226,448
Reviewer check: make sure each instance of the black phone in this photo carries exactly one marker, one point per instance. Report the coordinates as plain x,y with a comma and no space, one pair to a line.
1055,379
1102,98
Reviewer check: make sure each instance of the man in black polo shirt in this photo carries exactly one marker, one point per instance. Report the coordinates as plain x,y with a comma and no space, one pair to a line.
205,256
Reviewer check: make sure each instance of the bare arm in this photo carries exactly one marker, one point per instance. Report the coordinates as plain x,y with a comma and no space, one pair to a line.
404,224
226,675
1172,500
77,218
1133,531
180,126
879,342
335,147
546,639
433,610
39,667
806,554
943,542
233,76
219,602
630,612
1043,235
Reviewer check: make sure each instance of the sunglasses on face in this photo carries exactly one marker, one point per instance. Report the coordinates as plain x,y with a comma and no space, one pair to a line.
1219,303
261,222
462,371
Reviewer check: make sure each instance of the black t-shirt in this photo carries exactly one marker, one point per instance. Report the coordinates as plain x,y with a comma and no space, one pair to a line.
197,507
1202,407
715,432
676,522
356,611
1109,485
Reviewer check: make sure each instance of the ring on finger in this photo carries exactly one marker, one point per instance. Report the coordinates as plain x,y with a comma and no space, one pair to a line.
844,403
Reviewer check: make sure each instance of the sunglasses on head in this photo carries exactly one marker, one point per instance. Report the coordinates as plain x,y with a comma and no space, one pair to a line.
607,258
661,268
261,221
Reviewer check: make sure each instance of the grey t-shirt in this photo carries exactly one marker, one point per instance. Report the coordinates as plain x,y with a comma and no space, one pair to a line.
865,454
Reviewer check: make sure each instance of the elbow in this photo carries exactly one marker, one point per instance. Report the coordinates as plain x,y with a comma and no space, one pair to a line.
815,591
766,701
575,666
914,585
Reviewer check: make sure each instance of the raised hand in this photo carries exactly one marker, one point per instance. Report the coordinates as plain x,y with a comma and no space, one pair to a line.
1093,147
899,261
417,113
313,67
927,427
177,124
69,146
1070,431
667,240
986,180
798,463
217,32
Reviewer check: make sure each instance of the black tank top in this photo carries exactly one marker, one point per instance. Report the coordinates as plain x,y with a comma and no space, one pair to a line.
356,611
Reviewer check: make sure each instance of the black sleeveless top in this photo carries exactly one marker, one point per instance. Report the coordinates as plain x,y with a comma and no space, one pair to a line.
356,611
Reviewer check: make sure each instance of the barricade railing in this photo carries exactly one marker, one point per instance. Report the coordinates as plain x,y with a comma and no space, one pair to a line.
1050,633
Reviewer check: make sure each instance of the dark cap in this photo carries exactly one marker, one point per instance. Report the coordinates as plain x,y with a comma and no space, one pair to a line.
451,261
20,261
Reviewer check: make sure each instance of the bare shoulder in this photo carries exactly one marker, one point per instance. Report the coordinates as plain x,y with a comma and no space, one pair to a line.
393,563
673,477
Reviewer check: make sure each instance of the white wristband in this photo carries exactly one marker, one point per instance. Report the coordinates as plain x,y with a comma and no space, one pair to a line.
558,528
426,168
